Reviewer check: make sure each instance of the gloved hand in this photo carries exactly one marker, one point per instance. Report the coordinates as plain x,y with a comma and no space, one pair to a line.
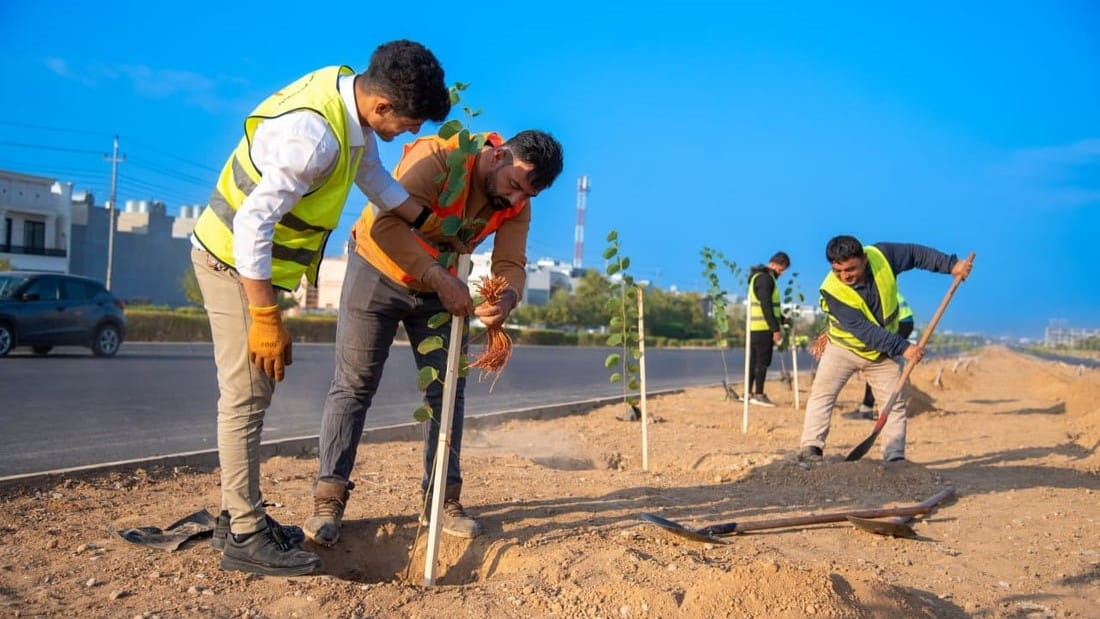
269,343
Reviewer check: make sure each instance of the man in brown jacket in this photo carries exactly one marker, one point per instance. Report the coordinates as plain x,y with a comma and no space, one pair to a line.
393,276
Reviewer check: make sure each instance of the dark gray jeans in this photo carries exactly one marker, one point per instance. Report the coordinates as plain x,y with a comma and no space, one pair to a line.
371,306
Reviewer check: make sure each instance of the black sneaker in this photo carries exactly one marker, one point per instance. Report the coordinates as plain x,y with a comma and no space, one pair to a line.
263,552
456,522
292,535
810,453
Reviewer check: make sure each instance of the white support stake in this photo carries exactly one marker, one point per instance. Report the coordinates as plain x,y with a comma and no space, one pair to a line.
745,394
443,447
794,365
641,375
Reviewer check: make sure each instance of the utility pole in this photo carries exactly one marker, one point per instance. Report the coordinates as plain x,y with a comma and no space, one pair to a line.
114,159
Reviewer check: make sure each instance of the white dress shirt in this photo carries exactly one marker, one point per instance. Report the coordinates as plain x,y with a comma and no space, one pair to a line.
295,153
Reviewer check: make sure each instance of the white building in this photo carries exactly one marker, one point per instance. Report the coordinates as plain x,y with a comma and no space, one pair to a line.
35,220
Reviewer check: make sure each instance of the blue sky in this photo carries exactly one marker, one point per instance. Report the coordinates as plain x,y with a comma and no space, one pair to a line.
748,127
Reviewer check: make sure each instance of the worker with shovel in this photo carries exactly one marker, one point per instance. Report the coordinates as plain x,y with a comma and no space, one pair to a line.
393,277
860,299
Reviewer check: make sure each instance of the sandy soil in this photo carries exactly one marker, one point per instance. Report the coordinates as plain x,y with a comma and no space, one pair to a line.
560,500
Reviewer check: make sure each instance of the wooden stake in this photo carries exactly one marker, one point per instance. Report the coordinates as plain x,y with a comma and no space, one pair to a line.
443,446
794,365
641,377
745,393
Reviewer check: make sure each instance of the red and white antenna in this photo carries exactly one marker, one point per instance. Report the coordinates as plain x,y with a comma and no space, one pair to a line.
578,234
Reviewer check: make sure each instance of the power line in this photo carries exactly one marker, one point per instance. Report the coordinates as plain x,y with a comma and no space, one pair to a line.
62,149
176,157
58,129
180,176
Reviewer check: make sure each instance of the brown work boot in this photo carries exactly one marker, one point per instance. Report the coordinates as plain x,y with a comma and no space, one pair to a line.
456,521
329,500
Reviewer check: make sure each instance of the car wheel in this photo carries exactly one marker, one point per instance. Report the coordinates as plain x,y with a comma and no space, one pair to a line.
106,341
42,350
7,338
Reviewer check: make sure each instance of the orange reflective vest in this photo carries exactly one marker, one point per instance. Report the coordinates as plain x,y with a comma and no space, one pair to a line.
457,207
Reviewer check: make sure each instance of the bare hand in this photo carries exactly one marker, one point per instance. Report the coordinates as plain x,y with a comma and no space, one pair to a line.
494,314
454,294
914,353
962,269
777,336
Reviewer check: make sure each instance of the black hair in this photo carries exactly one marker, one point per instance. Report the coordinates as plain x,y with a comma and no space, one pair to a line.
408,74
781,258
541,150
842,248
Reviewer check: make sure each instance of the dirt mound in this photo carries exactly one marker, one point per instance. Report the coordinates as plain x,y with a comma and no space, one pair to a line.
560,500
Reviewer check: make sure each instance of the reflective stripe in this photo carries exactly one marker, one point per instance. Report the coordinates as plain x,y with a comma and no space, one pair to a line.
299,256
241,178
292,221
220,207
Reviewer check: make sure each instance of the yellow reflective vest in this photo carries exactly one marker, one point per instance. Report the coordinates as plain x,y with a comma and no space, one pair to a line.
756,312
887,285
299,239
904,311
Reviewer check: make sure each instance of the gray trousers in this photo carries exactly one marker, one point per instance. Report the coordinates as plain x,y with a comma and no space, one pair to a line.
244,392
836,367
371,306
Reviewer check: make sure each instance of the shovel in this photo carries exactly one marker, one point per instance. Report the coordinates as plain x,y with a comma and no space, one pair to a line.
862,449
710,534
893,527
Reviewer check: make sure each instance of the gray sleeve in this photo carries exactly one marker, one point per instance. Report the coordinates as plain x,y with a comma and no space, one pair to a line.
907,256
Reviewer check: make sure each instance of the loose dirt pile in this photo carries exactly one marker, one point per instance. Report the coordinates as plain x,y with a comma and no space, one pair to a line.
560,501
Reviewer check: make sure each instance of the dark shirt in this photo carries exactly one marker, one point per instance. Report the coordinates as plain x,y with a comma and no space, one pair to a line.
763,287
902,257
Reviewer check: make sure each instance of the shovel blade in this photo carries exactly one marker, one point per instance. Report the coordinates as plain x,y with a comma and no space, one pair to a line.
890,527
680,530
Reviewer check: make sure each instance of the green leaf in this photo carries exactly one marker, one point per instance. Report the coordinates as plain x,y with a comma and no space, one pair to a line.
447,259
624,263
632,401
464,141
634,352
423,413
451,225
611,236
616,322
449,129
723,343
615,339
426,376
613,268
631,366
609,253
430,344
616,377
633,384
439,178
612,360
461,85
463,366
439,320
454,96
456,159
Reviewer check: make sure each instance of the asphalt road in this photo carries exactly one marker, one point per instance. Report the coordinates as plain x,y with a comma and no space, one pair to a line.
72,409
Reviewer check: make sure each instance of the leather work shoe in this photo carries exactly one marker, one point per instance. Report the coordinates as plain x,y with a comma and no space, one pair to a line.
292,534
329,500
810,453
263,553
456,522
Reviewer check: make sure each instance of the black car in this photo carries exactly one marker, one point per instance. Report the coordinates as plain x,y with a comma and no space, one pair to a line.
43,310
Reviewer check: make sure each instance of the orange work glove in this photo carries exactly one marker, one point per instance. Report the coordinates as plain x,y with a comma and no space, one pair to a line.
269,341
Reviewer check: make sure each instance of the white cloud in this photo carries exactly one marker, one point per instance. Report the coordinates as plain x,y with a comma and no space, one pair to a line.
193,88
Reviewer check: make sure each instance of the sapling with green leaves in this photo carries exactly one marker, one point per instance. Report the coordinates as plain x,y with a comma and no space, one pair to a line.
623,323
710,258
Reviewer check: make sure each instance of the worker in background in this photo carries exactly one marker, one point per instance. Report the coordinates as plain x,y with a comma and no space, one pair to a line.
765,323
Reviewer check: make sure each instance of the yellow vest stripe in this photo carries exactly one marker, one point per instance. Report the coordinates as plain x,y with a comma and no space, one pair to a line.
756,311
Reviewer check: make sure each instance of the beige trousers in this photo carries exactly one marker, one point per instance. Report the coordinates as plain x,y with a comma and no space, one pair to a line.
836,367
244,393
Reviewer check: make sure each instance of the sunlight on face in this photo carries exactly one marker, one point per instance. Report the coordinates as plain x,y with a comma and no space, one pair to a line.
509,184
850,271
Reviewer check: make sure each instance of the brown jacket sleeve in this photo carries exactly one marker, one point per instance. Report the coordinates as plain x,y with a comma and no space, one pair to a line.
510,250
416,173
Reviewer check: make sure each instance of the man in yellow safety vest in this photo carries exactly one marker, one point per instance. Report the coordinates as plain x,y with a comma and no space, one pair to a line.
860,299
765,323
279,196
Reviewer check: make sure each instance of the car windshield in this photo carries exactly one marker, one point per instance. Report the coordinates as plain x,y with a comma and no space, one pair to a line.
9,284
